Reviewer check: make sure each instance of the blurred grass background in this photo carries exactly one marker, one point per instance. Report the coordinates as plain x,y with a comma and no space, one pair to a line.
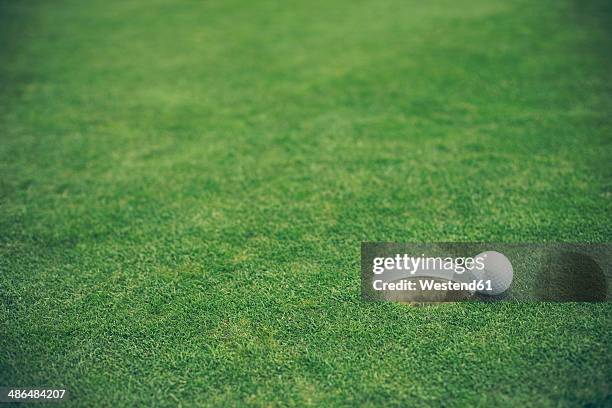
185,187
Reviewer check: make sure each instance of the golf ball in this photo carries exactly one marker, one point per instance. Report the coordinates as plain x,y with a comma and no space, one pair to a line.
497,269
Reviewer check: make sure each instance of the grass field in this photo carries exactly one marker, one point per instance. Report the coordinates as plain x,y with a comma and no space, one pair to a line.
185,186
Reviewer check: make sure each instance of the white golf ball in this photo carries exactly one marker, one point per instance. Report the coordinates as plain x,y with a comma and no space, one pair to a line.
497,269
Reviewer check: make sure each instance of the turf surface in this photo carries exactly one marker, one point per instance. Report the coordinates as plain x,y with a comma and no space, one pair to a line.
185,187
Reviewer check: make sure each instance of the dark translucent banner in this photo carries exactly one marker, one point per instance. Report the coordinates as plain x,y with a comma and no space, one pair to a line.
449,272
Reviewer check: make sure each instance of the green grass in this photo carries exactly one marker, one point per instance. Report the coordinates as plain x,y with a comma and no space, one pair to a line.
185,186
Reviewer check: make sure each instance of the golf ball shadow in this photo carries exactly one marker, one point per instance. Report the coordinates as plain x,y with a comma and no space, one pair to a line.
571,277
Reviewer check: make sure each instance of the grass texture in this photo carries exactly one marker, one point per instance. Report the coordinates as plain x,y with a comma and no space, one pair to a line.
185,186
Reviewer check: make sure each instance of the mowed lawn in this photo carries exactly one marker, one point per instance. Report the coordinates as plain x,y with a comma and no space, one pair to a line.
185,186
